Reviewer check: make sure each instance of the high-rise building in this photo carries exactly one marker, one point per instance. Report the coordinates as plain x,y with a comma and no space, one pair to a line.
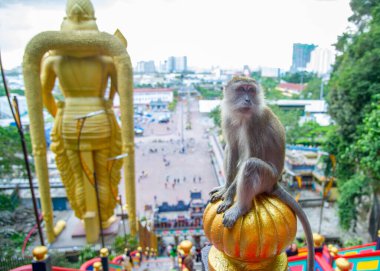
145,67
301,56
162,66
176,64
321,61
181,64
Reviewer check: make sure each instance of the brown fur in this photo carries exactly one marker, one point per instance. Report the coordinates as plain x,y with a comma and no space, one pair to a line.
255,146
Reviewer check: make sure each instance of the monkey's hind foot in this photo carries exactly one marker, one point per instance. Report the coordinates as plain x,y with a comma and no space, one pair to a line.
217,193
232,214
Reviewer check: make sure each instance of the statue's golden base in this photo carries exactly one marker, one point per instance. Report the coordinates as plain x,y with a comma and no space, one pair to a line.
218,261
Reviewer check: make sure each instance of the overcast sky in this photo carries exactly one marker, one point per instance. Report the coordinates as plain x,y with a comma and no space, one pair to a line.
209,32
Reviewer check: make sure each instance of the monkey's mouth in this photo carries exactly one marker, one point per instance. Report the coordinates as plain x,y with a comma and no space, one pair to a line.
245,109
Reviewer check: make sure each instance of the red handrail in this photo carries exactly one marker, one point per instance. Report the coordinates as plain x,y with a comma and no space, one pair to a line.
30,234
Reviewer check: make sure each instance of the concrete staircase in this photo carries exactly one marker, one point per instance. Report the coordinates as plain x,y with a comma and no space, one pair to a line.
161,264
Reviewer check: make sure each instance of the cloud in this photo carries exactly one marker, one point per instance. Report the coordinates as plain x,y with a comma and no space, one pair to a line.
47,3
209,32
8,3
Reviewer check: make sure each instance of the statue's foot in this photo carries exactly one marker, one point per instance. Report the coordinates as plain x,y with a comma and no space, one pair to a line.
109,222
217,193
232,214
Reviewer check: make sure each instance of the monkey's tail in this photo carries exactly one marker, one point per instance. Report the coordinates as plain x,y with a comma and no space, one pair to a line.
282,194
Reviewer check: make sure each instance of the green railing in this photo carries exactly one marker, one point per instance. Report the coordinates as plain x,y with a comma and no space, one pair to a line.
11,263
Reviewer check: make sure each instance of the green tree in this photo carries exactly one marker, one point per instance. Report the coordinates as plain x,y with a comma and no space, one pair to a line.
353,86
256,75
13,91
172,106
367,145
269,86
290,119
215,115
312,90
12,162
367,152
6,203
298,77
119,243
208,93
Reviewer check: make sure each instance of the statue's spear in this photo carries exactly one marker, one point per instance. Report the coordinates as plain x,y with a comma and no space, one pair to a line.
16,116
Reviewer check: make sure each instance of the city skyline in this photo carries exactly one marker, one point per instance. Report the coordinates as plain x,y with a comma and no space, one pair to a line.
209,33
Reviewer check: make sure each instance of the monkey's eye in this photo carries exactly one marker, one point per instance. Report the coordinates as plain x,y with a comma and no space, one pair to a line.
251,89
240,89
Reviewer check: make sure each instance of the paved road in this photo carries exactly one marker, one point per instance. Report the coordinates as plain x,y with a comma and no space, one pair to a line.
161,144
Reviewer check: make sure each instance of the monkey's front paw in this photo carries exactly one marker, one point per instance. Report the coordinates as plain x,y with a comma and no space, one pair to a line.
216,189
218,195
227,203
231,215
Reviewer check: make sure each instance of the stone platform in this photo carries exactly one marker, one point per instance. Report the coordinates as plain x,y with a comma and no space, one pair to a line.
79,231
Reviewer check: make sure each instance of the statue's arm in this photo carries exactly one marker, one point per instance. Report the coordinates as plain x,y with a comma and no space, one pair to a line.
113,76
47,83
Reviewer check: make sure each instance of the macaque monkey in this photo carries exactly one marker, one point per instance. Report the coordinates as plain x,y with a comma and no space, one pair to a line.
254,155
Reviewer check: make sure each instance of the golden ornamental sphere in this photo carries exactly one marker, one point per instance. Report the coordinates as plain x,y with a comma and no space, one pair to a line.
342,264
104,252
39,253
334,251
318,239
186,246
97,266
264,232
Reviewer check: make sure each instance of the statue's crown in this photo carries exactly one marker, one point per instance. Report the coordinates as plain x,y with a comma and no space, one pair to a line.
81,9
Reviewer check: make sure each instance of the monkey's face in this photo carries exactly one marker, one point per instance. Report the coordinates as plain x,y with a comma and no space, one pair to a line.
244,97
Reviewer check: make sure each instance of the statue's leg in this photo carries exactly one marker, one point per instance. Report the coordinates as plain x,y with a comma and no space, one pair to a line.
107,197
86,191
73,157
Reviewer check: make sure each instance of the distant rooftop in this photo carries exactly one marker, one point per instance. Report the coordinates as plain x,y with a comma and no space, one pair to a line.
312,106
145,90
291,86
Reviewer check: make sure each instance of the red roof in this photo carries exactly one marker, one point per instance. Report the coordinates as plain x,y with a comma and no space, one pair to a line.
292,86
145,90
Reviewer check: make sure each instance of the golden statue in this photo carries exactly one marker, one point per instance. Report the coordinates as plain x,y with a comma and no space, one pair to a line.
86,137
256,242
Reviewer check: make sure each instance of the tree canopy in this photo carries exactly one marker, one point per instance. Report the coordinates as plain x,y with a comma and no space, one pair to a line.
312,90
353,104
11,157
301,77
